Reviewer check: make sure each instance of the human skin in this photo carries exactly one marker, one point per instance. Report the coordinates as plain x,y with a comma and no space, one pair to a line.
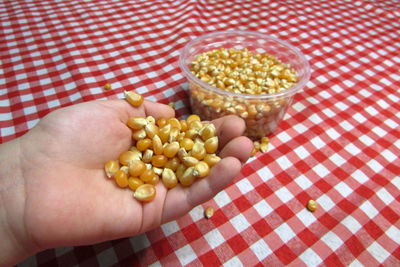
54,192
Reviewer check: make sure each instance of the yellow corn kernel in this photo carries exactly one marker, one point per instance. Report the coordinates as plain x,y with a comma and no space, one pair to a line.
143,144
264,147
192,117
169,178
164,132
151,119
199,140
147,155
190,161
136,168
161,122
180,136
125,169
182,153
136,123
174,122
211,145
171,149
312,205
208,212
191,133
187,177
172,163
145,192
151,130
147,175
211,159
184,125
254,151
136,151
157,170
127,156
256,145
121,178
159,161
198,151
186,143
207,131
173,135
134,183
265,140
172,105
107,86
154,180
111,167
139,134
201,169
157,145
197,125
133,98
180,170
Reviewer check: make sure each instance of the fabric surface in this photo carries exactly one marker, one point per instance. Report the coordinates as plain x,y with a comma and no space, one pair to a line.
338,144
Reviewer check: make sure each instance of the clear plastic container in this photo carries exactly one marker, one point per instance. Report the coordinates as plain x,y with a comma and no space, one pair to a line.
262,112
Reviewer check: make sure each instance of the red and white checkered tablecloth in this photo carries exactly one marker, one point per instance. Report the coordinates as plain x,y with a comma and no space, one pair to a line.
339,142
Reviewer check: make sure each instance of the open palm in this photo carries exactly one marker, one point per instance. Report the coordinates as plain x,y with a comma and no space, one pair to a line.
69,200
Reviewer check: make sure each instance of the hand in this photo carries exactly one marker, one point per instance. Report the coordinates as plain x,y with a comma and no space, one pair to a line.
59,194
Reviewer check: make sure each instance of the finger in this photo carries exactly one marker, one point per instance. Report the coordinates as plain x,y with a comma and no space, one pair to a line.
148,108
240,148
158,110
181,200
228,127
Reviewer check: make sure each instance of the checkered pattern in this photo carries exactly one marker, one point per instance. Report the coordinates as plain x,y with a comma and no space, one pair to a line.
338,144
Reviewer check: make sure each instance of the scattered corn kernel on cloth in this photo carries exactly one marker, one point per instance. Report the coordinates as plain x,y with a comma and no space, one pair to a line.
339,143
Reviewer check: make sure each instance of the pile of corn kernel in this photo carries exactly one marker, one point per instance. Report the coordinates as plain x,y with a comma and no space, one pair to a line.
261,145
242,72
171,150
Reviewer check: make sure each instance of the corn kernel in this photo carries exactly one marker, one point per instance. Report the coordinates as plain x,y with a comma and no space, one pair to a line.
139,134
161,122
171,149
154,180
107,86
159,160
312,205
211,145
147,175
208,212
174,123
172,163
169,178
127,156
121,178
145,192
134,183
143,144
136,168
198,151
136,123
111,167
201,169
151,130
133,98
186,143
187,177
190,161
211,159
157,145
147,156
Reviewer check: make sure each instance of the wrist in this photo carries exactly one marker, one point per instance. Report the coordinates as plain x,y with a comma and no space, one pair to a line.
15,243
